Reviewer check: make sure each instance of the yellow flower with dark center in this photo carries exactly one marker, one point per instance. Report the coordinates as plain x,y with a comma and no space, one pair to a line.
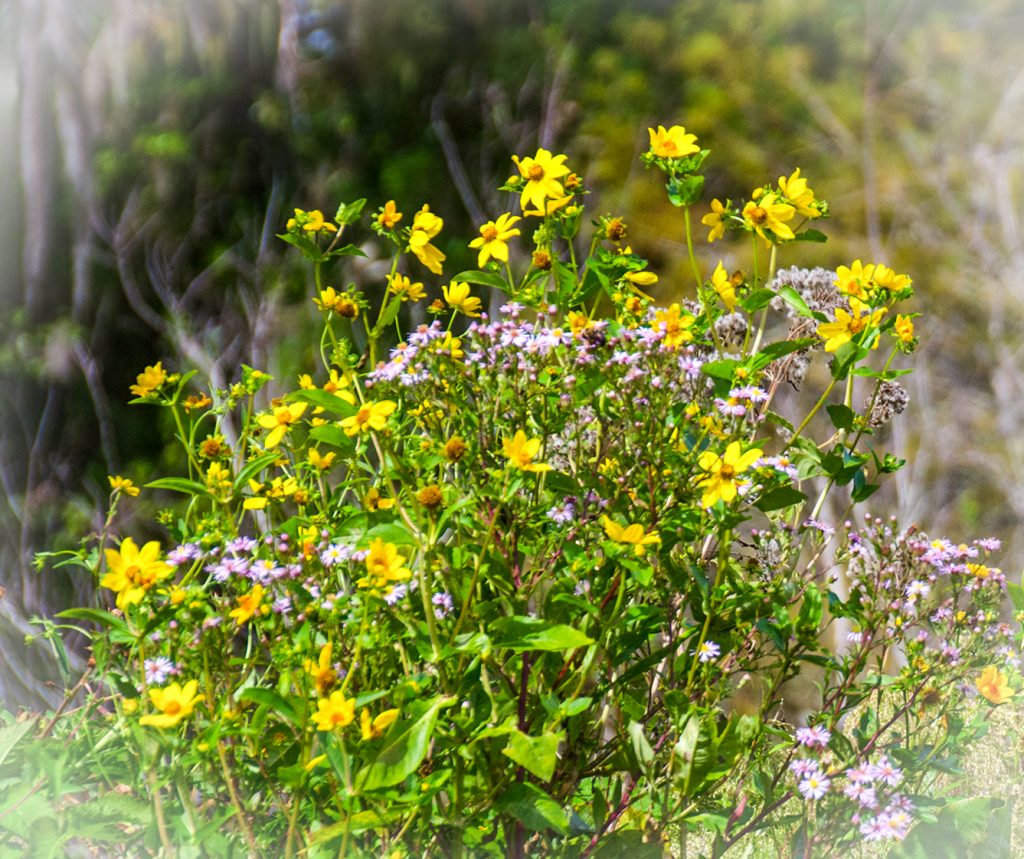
196,401
993,686
430,496
493,241
404,288
384,567
904,328
520,451
334,712
323,674
311,222
795,190
675,324
541,259
724,286
321,461
768,214
213,446
633,534
578,322
454,449
149,380
458,298
122,484
849,325
371,416
175,702
673,143
279,422
716,220
451,346
373,728
722,472
425,226
133,571
337,383
389,216
542,173
248,605
856,280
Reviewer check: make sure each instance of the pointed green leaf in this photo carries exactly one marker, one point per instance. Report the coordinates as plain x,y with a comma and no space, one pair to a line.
538,755
405,747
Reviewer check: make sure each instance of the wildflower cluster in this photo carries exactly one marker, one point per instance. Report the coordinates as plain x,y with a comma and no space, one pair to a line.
500,583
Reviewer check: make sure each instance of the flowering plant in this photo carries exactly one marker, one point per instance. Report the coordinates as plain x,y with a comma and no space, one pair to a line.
543,577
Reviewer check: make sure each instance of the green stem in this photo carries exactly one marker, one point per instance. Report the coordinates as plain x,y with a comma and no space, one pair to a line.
689,249
810,415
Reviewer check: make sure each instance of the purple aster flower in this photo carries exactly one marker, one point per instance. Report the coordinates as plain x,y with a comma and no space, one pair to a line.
158,670
397,593
816,737
814,786
443,604
708,651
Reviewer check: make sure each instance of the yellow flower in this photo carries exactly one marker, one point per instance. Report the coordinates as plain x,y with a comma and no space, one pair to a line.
375,501
371,416
334,712
722,471
904,328
323,674
849,325
175,702
122,484
796,191
278,422
724,286
311,222
454,449
248,605
405,289
633,534
641,278
133,571
520,452
675,324
769,214
674,143
336,384
218,480
384,567
857,280
992,686
389,215
372,728
716,220
149,380
426,225
450,345
341,303
542,173
886,278
493,241
321,461
458,298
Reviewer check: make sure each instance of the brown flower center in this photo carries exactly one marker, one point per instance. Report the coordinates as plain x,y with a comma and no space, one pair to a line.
489,233
536,173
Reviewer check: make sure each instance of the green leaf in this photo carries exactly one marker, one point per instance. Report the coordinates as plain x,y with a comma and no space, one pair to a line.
387,317
846,356
724,369
10,735
251,469
795,300
976,828
784,347
529,633
757,299
538,755
326,400
179,484
334,436
685,190
348,213
533,808
482,278
810,236
97,616
779,498
629,842
1016,593
641,747
843,417
391,532
270,699
404,749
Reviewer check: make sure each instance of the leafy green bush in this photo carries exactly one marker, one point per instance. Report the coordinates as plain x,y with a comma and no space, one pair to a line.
538,580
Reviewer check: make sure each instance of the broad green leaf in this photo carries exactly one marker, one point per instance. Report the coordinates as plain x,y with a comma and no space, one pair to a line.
757,299
95,615
482,278
390,532
641,747
724,369
179,484
405,747
325,400
271,699
976,828
629,843
794,300
810,236
348,213
779,498
528,633
10,735
842,416
538,755
251,469
533,808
